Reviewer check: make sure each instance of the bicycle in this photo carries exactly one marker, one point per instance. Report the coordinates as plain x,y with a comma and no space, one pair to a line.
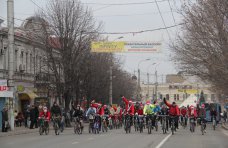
214,122
192,124
110,123
127,124
91,123
203,125
56,124
136,126
173,128
141,123
149,124
156,122
164,125
104,125
96,126
78,125
44,127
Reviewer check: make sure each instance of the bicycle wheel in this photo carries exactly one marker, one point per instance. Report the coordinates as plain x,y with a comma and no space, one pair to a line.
56,129
41,130
202,129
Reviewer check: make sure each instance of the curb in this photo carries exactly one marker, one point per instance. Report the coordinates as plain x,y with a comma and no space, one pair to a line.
17,133
224,127
22,132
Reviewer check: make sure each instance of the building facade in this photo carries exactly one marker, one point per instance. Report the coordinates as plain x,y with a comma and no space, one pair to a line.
178,88
31,71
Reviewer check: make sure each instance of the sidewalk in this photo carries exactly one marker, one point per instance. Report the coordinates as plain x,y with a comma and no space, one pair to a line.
23,130
18,131
225,126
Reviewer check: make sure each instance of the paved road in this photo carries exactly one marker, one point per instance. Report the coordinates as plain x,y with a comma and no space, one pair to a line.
119,139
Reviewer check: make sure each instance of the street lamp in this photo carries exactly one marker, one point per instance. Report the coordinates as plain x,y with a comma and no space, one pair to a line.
148,81
138,90
156,81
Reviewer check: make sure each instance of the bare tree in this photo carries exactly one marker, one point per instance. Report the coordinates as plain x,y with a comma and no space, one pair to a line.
201,49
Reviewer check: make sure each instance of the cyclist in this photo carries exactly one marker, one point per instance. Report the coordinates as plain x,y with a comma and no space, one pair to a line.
213,114
192,114
129,108
78,112
56,112
106,113
173,111
46,114
165,111
183,112
148,111
202,115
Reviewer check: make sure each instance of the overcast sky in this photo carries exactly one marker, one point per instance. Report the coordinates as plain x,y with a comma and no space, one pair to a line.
124,18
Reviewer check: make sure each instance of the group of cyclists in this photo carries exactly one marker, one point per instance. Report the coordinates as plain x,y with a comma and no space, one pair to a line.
102,116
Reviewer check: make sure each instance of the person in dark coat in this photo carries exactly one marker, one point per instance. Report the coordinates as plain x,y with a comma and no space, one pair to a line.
36,110
32,117
4,119
27,116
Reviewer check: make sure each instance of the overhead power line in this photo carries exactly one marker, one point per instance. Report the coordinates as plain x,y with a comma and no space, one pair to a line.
162,19
172,12
130,32
127,4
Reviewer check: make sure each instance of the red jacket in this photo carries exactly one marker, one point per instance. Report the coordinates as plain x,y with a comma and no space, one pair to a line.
130,110
140,111
47,115
183,111
190,111
173,110
100,111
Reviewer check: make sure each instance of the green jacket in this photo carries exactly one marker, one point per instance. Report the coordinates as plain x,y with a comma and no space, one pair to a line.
149,109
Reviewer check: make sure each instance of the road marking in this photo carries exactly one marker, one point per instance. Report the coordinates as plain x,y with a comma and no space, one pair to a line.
163,141
75,142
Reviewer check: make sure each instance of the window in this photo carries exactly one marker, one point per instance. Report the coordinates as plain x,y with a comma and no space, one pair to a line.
22,57
31,61
167,96
26,62
16,60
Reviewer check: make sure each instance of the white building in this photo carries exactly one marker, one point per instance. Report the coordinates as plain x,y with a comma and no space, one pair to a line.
178,88
31,73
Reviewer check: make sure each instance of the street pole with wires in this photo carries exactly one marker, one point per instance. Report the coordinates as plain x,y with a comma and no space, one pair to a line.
10,23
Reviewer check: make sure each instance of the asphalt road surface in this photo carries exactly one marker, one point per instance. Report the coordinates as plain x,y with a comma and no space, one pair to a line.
119,139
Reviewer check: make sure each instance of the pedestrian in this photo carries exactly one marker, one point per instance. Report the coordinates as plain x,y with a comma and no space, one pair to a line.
36,110
27,116
225,116
5,119
32,117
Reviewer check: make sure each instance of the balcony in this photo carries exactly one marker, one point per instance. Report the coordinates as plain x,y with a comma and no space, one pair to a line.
18,76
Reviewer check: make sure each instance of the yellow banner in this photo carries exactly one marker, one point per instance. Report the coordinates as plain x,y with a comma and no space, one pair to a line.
107,46
188,91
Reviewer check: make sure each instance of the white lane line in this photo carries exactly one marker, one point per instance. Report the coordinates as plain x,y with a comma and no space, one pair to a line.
75,142
163,141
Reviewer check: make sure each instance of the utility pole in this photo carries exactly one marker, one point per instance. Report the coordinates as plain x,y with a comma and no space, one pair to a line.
148,85
110,87
156,85
10,23
138,89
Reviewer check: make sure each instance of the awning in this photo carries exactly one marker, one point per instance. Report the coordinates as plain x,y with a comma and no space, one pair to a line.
27,95
7,94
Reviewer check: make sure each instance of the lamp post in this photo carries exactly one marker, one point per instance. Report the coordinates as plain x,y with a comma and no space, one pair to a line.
148,80
138,90
156,81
